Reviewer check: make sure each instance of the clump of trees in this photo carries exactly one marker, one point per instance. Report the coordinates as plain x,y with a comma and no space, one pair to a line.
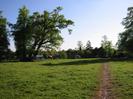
105,51
108,49
40,33
125,42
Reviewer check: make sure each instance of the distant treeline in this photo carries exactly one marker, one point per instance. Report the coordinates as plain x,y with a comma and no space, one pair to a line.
105,51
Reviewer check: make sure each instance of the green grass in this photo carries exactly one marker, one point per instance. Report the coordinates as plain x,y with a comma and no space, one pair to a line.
122,73
50,79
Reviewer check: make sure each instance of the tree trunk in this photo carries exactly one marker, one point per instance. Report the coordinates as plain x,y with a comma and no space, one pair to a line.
37,50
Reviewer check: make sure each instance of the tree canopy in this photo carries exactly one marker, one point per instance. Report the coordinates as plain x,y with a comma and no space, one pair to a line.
3,37
38,31
125,42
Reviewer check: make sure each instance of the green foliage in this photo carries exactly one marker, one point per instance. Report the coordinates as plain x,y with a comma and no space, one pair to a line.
3,37
38,31
88,46
41,80
71,53
21,33
62,54
88,50
107,47
46,29
98,52
125,42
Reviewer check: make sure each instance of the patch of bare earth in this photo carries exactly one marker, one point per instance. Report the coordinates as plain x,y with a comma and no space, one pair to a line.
104,92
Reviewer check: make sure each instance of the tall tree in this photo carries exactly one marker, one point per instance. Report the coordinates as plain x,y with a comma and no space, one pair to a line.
80,45
3,37
125,42
107,46
38,31
46,30
88,46
21,33
88,49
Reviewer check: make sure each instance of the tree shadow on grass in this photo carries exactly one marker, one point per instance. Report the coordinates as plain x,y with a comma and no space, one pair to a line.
77,62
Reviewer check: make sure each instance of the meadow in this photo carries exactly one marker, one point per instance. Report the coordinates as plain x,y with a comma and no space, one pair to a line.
50,79
122,79
63,79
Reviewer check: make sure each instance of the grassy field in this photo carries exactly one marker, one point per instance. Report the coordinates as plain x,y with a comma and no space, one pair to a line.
51,79
63,79
122,73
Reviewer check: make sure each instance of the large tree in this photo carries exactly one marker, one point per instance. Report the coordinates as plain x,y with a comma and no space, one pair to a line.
125,42
46,29
21,33
38,31
3,37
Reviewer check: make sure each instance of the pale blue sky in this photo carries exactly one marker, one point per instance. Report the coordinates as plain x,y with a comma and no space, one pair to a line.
93,18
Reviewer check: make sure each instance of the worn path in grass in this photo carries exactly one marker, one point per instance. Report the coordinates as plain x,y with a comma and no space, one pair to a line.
104,91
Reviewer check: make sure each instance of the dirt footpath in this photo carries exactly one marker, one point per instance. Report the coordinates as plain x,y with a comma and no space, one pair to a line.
104,91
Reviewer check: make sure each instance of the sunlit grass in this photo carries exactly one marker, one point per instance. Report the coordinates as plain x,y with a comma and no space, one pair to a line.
49,79
122,73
